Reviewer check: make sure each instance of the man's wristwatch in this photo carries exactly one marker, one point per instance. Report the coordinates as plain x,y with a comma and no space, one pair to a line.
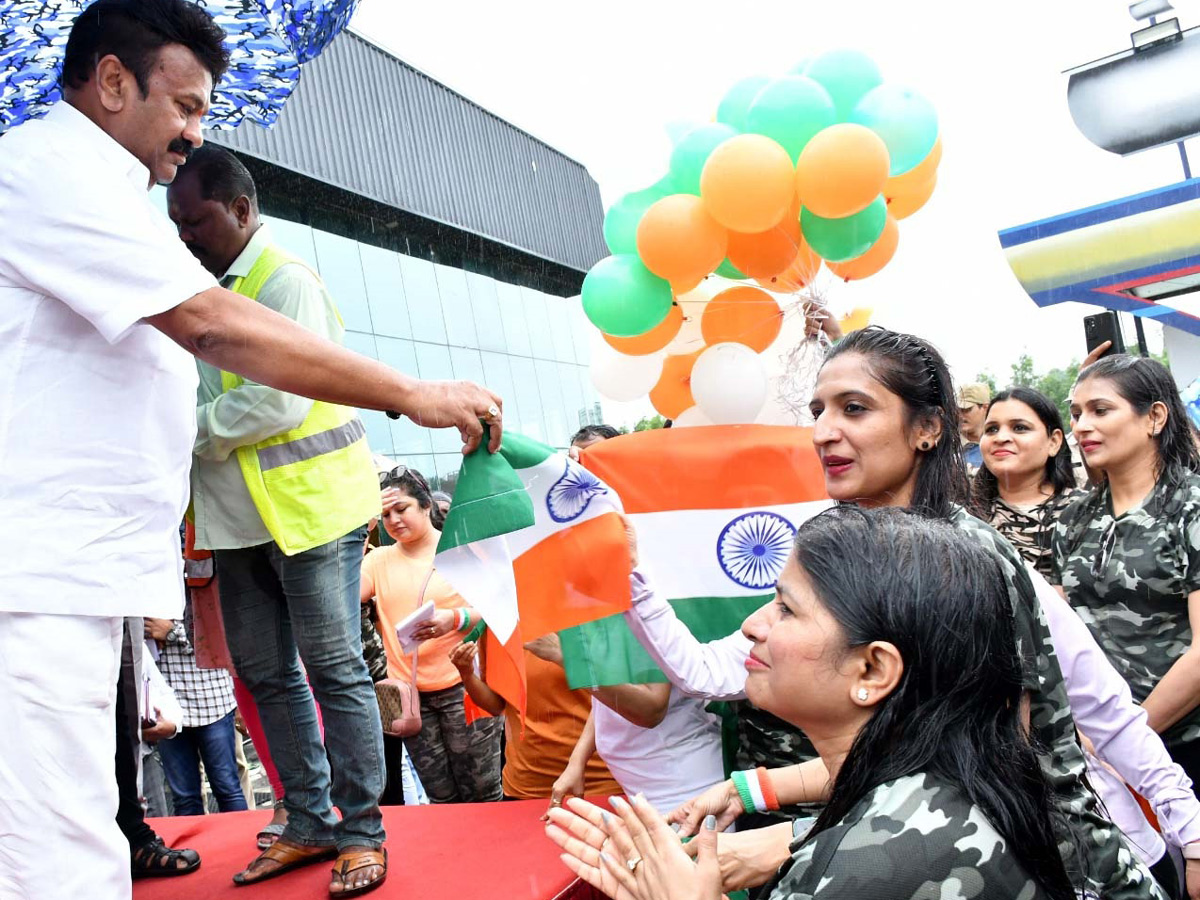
173,635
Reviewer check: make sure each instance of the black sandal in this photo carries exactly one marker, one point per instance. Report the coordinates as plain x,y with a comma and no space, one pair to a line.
154,859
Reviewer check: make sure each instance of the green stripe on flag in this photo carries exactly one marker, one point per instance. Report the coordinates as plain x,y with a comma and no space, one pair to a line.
490,499
605,652
523,452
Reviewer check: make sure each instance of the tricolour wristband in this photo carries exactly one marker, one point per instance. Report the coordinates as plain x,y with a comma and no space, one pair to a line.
465,624
750,791
768,789
740,783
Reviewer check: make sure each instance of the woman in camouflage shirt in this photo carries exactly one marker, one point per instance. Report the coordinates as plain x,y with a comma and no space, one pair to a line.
1027,479
891,643
1128,553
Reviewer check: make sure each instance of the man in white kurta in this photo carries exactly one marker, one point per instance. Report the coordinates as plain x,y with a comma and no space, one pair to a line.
96,426
100,305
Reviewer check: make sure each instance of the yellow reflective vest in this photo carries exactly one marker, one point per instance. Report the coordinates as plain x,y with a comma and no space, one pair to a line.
315,483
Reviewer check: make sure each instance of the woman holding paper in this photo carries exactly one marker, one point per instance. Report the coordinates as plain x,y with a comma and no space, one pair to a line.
457,762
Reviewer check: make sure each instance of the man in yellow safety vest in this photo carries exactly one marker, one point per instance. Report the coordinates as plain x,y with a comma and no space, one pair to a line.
282,489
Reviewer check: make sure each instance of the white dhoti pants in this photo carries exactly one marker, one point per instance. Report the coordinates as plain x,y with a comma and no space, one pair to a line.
58,791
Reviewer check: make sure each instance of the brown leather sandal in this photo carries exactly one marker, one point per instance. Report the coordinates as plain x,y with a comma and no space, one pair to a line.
351,860
289,856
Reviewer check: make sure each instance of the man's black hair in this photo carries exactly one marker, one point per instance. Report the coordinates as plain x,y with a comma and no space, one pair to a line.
134,31
594,432
222,175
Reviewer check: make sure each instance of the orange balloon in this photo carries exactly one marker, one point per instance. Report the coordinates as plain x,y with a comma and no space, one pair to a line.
654,339
768,252
904,205
873,260
673,393
744,315
683,287
799,274
841,170
679,241
917,175
748,183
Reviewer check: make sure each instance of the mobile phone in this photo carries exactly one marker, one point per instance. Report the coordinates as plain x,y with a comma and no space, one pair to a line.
1103,327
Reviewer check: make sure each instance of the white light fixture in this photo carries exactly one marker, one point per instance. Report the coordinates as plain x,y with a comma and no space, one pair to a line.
1156,34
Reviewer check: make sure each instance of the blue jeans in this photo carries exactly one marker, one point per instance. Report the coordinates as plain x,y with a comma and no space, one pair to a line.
278,611
181,757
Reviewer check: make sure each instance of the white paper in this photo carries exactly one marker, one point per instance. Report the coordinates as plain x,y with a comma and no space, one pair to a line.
407,627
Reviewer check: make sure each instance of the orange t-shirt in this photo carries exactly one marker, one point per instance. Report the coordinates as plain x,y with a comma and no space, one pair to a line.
397,579
554,719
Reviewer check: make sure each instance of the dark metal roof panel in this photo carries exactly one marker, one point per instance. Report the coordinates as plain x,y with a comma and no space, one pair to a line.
369,123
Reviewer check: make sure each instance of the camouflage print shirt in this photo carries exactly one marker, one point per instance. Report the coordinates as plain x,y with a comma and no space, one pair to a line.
1097,857
1129,578
764,740
914,838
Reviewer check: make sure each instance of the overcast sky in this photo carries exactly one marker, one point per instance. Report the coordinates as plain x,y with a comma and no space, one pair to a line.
604,82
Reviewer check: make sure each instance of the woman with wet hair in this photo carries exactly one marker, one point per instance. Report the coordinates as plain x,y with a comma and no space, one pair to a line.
890,642
885,427
1128,552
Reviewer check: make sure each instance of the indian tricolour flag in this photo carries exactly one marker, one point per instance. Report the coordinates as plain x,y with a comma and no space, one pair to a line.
716,510
534,542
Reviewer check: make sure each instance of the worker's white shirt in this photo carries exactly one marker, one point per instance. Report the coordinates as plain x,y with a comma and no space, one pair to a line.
97,408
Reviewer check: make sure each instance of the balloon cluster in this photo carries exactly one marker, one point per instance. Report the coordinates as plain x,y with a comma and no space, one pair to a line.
813,168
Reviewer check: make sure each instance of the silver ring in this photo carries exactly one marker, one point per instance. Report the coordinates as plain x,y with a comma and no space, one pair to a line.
633,864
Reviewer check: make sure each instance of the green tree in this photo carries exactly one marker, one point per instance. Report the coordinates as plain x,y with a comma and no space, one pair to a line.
1022,372
647,423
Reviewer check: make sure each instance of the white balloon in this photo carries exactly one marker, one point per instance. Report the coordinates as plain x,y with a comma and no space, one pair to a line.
729,384
691,417
621,377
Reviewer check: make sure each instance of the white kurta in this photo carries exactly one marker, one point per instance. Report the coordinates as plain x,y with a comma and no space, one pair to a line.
97,419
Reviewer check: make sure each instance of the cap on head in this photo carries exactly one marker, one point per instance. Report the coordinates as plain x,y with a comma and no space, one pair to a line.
974,394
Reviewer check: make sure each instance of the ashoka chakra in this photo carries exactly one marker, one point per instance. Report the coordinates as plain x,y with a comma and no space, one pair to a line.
753,548
571,494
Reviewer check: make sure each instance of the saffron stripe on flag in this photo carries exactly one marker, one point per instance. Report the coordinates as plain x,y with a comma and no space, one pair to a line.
716,467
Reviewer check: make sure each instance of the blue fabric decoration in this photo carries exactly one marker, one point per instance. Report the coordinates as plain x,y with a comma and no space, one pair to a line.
268,41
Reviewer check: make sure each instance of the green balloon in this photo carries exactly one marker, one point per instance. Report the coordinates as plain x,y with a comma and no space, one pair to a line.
838,240
905,120
736,102
847,75
791,110
800,68
622,219
623,298
692,152
729,270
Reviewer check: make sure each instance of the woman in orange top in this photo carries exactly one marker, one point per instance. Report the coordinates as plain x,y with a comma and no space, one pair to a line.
456,762
555,716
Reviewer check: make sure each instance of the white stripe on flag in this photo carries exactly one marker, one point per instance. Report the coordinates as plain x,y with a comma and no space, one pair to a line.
679,548
539,480
482,573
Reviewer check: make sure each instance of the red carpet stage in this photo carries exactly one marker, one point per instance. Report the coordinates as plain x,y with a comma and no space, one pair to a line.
461,852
